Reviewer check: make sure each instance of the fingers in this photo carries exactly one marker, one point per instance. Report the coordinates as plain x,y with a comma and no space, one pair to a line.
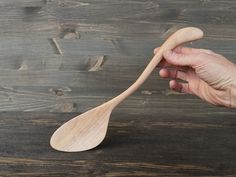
164,64
174,74
188,50
179,87
179,59
173,84
184,56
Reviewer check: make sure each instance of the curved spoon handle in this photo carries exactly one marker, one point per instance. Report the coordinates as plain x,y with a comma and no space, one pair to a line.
181,36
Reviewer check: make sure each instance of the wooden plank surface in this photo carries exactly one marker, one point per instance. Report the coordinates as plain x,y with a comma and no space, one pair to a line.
164,144
59,58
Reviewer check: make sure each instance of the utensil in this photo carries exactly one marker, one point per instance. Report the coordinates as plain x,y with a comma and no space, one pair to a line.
88,130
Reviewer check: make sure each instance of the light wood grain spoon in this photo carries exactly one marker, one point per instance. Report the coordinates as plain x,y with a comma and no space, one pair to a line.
88,130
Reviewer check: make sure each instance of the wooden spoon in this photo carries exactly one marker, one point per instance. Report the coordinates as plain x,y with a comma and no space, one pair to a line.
88,130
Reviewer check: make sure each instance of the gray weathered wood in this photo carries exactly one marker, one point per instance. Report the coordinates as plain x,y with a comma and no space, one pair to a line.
163,144
61,56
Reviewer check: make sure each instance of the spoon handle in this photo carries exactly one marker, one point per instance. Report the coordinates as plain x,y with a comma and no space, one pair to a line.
181,36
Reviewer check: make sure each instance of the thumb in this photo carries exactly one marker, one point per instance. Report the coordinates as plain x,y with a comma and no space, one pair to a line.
180,59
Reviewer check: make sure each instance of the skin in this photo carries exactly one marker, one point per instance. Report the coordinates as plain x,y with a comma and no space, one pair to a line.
200,72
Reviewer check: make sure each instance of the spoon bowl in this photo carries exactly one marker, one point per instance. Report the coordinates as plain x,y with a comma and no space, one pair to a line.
87,130
77,134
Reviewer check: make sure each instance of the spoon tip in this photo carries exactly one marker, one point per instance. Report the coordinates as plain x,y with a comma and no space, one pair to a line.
73,149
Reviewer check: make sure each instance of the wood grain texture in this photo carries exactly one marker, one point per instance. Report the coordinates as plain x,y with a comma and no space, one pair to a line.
194,138
167,144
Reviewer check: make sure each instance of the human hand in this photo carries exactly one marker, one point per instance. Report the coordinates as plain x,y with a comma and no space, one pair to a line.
207,75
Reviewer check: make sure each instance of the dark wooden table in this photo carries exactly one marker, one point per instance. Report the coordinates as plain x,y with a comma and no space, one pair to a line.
59,58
